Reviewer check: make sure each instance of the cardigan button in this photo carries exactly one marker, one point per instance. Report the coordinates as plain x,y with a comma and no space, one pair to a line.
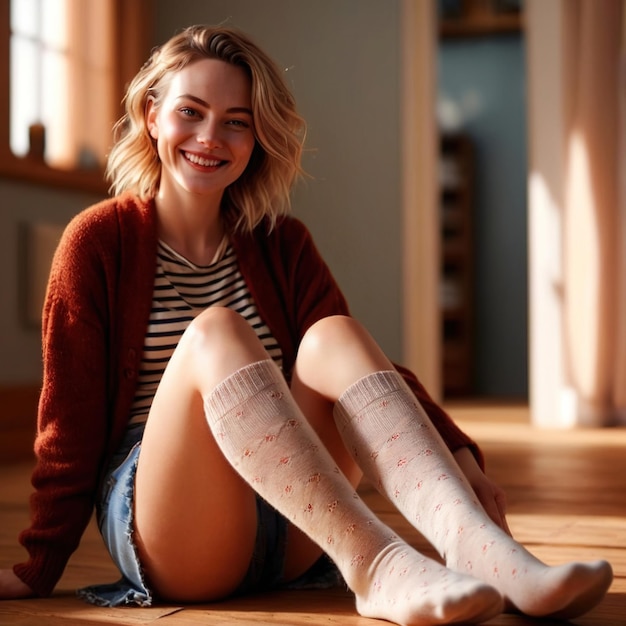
129,373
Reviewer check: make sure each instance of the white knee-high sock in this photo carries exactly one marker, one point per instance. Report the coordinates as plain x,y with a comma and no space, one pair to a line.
399,450
263,434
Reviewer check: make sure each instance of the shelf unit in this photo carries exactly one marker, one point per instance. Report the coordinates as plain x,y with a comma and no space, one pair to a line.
476,18
457,263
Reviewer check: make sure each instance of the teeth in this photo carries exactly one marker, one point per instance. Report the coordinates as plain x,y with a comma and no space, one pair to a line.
200,161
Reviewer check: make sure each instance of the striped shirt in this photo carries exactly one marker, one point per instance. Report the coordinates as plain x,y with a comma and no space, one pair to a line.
182,290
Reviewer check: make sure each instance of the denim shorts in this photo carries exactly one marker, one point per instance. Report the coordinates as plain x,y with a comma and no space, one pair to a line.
115,520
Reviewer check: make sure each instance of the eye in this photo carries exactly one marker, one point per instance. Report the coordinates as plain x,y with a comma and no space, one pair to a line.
188,111
238,123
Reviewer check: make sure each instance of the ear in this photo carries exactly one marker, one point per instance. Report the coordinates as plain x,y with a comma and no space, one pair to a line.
151,118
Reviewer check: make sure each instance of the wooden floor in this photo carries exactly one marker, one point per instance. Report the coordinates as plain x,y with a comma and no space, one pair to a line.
567,500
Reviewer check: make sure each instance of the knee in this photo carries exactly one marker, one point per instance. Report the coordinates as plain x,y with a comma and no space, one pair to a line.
216,343
331,333
335,352
217,328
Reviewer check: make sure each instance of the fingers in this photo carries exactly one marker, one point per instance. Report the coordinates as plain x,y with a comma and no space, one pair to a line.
11,587
490,495
499,499
493,500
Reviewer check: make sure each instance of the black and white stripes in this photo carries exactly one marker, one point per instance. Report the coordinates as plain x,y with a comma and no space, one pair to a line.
182,290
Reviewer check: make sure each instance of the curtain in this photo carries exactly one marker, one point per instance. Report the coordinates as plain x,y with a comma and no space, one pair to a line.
594,276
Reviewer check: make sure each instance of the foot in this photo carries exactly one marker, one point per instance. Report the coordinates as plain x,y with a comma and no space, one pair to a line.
566,591
409,589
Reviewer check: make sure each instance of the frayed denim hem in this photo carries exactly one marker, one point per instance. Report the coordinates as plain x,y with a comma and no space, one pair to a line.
115,522
121,593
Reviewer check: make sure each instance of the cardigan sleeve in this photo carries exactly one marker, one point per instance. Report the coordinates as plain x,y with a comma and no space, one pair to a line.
316,295
72,416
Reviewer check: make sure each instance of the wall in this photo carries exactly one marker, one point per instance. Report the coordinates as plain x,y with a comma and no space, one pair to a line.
482,81
20,345
342,61
343,65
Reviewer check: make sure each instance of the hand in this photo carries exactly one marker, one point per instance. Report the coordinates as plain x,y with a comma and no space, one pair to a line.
490,495
11,587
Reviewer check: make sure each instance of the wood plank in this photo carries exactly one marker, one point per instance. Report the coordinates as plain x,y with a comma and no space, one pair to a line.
566,502
18,416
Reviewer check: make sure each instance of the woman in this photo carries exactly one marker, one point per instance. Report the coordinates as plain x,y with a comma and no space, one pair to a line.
206,388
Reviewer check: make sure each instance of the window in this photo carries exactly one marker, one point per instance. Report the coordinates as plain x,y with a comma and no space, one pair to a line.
63,68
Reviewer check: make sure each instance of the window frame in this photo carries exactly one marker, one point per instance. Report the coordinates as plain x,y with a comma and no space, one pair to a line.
133,42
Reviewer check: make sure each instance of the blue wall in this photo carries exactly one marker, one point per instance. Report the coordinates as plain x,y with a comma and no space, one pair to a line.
482,81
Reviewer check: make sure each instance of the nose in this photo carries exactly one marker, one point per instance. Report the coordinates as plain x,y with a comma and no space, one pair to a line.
209,134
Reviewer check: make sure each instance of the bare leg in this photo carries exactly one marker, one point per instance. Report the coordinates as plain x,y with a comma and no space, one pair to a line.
262,432
195,518
398,448
185,487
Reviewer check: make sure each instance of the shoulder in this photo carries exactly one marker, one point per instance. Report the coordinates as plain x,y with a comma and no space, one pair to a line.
98,233
112,214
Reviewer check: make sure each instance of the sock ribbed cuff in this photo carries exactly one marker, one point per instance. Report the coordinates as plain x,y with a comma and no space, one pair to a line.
240,386
368,389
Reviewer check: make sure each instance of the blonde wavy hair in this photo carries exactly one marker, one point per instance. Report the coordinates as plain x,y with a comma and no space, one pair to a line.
264,189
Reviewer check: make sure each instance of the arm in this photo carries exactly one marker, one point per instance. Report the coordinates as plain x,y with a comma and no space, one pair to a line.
72,417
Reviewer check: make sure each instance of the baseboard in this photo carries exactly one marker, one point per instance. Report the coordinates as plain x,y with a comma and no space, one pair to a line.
18,417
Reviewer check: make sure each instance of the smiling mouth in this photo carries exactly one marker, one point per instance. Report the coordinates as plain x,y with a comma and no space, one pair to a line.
198,160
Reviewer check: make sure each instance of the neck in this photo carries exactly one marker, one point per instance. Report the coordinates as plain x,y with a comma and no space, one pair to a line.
194,230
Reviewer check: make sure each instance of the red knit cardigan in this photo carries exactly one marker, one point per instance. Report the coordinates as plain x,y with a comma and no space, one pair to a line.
94,321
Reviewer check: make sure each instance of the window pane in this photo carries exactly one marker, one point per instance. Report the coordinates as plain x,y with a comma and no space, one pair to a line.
24,92
25,17
66,66
39,78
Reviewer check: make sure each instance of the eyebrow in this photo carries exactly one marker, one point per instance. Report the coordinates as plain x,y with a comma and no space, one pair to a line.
201,102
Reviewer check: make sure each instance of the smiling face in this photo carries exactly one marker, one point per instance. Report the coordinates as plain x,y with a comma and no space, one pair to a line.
204,130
